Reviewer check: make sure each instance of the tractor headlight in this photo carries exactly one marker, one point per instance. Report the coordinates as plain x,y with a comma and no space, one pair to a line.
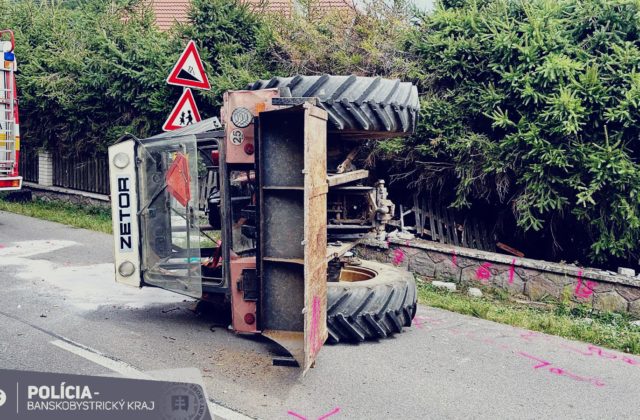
126,269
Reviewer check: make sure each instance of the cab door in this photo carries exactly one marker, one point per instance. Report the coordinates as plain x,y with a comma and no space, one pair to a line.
155,213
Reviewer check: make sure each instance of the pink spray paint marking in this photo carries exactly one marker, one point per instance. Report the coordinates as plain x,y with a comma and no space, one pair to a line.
530,336
597,351
541,363
591,349
630,361
454,258
512,270
561,372
583,290
330,413
314,338
483,273
419,321
322,417
398,256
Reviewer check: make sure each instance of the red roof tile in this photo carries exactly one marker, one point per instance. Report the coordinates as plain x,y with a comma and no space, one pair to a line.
332,4
168,12
281,6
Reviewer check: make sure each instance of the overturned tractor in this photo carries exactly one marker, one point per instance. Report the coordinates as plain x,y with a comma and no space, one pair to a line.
264,212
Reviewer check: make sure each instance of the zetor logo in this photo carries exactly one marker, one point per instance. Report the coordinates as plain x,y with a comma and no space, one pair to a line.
124,212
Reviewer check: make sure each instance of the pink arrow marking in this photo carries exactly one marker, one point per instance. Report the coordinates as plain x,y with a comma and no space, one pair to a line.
322,417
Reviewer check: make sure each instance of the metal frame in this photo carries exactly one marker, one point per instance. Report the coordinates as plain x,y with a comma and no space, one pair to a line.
292,224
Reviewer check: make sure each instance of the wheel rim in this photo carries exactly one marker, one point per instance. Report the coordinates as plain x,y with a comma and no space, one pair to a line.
353,273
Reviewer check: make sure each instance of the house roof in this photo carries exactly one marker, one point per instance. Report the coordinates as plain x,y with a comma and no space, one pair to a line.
325,5
168,12
281,6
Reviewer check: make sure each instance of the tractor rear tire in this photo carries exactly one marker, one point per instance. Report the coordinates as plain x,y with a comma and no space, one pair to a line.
360,107
371,309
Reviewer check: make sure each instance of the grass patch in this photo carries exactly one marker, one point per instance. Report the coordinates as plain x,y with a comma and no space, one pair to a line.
581,323
86,217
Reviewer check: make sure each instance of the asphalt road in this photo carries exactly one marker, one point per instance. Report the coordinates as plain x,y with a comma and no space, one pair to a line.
57,289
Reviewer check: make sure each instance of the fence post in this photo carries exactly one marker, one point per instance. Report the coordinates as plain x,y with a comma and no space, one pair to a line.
45,169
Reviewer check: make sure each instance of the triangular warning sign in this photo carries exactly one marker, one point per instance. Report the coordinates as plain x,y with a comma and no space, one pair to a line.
184,113
189,70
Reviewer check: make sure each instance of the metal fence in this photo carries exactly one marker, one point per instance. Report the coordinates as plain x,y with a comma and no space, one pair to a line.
83,174
29,165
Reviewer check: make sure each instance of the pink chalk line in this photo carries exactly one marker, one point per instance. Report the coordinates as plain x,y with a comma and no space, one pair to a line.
419,321
591,349
512,270
542,363
330,413
561,372
483,273
529,336
322,417
597,351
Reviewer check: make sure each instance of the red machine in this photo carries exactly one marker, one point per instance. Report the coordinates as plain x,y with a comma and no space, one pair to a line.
9,123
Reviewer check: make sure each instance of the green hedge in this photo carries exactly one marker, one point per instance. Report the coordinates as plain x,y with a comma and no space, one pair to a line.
532,107
87,74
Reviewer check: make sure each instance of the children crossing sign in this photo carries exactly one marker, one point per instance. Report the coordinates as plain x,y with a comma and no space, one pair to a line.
189,71
184,113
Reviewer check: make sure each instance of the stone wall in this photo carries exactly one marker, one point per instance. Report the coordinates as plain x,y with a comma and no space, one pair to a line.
522,277
66,195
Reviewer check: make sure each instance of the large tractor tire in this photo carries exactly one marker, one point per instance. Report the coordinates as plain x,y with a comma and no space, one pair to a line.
371,309
361,107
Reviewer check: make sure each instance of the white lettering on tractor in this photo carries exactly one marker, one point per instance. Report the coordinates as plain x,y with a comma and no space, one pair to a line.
124,213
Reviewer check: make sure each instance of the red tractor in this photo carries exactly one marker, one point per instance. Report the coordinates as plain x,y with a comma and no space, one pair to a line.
265,212
9,123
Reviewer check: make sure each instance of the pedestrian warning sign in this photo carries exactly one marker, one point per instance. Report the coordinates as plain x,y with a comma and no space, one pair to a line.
184,113
189,71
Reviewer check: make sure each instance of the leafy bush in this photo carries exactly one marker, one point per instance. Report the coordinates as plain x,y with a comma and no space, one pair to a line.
88,74
533,106
367,42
